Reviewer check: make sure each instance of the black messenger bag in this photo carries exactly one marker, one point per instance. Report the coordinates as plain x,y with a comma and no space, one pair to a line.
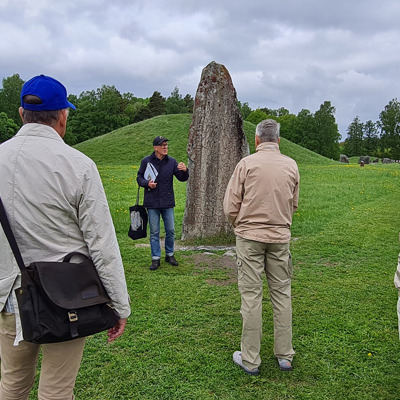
59,301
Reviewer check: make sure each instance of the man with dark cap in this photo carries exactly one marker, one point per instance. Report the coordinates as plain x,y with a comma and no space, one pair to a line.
156,175
56,205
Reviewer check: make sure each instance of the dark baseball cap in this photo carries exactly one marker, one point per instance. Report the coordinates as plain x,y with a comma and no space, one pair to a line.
51,92
159,140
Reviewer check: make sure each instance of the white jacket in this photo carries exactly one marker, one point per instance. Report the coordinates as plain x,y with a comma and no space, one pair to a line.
56,204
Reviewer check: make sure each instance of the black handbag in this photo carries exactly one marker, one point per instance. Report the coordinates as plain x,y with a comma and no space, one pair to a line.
139,219
59,301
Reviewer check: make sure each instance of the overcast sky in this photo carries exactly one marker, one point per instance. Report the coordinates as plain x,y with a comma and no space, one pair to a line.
283,53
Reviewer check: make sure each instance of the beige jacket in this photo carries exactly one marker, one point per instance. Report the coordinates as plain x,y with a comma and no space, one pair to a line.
56,204
262,195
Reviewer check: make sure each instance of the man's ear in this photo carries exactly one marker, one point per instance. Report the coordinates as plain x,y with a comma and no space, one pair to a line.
257,141
64,114
61,124
21,113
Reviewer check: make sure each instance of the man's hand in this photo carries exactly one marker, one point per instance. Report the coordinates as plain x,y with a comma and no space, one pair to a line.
117,330
152,184
182,167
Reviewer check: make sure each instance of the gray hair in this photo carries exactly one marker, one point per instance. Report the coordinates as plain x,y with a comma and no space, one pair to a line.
39,117
268,131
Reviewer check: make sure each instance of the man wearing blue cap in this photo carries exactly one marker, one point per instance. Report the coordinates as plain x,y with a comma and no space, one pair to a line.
56,205
156,175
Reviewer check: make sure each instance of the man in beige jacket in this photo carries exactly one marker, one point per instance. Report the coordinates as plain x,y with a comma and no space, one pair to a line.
260,199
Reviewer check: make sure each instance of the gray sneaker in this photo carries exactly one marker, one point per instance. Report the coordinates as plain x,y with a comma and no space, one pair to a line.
237,359
285,365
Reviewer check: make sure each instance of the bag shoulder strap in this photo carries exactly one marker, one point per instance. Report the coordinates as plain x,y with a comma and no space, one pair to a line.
138,195
10,237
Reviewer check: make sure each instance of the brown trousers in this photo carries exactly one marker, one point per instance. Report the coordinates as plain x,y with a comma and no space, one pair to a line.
59,367
254,258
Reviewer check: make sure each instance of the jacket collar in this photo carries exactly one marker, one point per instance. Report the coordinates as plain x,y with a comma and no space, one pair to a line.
153,155
44,131
268,146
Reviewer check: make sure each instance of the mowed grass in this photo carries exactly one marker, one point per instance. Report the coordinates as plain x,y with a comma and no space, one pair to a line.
185,321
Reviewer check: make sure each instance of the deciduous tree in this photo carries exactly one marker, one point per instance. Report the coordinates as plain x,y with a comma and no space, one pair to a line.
244,109
256,116
8,128
282,111
288,124
10,97
389,122
305,130
98,112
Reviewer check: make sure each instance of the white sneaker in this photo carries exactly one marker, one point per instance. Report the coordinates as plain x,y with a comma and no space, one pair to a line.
237,359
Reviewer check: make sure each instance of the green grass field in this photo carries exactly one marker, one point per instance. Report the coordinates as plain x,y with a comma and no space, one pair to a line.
185,321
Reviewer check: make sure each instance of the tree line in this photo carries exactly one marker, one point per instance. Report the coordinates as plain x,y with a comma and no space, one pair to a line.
378,139
315,131
105,109
97,111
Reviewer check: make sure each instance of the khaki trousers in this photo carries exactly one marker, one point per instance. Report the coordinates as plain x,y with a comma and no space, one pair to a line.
59,367
254,258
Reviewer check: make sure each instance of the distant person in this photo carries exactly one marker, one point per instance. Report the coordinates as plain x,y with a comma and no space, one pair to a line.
56,205
156,175
260,200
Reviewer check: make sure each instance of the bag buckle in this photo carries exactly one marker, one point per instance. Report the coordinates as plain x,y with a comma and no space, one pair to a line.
73,316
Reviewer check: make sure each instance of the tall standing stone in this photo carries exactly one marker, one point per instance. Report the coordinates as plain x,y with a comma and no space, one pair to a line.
216,144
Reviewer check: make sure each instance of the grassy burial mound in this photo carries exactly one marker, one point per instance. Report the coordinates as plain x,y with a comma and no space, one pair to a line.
186,323
128,145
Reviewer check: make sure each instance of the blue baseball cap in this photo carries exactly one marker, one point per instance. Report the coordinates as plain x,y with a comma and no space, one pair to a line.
51,92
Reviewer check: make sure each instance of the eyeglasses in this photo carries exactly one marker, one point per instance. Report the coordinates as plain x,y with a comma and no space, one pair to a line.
164,145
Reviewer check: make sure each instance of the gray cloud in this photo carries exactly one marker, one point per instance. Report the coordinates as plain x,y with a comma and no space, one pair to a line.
280,54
